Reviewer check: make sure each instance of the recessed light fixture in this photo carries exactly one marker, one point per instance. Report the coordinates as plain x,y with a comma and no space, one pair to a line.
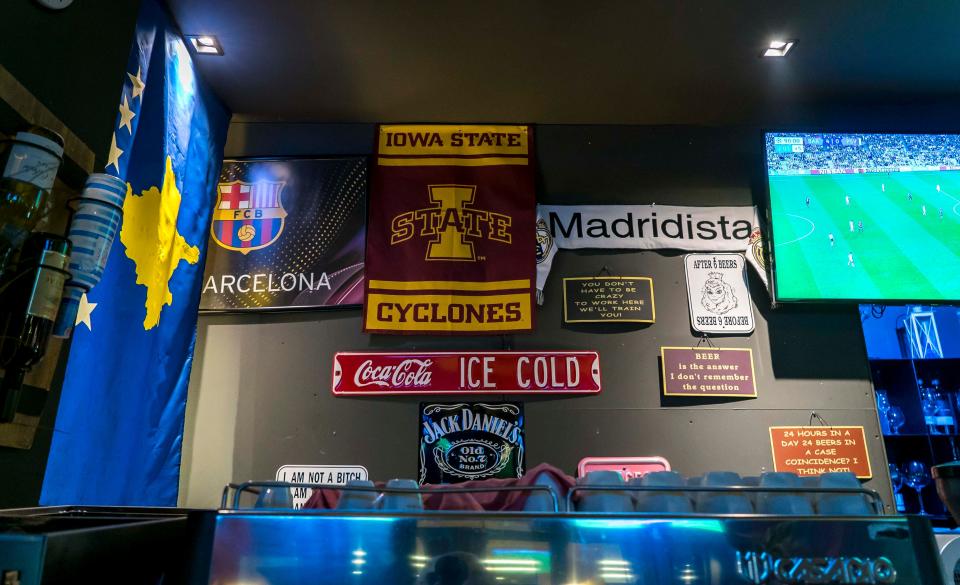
205,44
779,48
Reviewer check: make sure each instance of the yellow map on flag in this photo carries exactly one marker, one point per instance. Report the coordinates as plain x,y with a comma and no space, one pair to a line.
150,237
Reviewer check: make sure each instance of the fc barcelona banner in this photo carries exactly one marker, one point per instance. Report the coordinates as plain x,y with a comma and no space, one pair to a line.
286,233
451,239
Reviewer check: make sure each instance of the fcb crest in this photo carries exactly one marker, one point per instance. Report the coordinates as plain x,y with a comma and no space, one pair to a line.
248,216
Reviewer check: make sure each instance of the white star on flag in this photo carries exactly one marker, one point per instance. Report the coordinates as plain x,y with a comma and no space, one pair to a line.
137,84
114,157
126,115
84,311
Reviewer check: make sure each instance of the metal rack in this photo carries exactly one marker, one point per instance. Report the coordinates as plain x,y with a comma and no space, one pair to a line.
253,487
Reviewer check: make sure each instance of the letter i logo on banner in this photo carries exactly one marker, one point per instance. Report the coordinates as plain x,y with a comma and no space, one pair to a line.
451,245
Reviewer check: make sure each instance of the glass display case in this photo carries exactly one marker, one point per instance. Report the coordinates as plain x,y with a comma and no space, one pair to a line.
914,354
563,543
520,548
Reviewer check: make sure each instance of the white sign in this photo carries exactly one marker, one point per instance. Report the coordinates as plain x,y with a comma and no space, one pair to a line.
325,474
718,293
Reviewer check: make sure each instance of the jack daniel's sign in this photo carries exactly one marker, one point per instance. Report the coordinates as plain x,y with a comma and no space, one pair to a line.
466,441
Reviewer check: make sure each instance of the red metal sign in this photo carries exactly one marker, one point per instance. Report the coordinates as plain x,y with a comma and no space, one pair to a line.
628,467
480,372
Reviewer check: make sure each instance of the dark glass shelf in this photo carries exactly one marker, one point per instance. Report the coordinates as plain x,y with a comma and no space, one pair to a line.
913,435
931,517
919,360
903,380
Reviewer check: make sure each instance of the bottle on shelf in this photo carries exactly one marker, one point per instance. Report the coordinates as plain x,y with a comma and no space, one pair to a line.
895,419
29,163
31,299
945,420
928,404
896,479
883,407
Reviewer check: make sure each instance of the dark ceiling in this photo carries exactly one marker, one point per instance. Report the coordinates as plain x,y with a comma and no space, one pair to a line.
668,62
73,73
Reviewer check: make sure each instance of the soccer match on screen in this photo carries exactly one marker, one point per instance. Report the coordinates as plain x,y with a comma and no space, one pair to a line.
865,216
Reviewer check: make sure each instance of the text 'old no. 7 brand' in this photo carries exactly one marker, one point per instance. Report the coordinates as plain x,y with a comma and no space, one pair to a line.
493,372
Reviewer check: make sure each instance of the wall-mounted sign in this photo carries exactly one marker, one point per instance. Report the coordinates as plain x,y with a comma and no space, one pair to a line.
718,293
649,227
465,441
287,233
325,474
708,371
467,372
818,450
643,227
608,299
627,467
451,242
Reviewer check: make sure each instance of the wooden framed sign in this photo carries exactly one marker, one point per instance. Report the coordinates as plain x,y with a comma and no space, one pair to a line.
708,371
608,299
818,450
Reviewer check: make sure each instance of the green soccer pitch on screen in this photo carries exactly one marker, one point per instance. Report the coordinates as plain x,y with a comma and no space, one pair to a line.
864,217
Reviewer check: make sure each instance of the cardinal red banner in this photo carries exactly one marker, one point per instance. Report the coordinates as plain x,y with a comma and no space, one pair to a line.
451,239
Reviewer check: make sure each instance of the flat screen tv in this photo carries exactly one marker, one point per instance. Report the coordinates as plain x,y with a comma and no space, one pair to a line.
864,217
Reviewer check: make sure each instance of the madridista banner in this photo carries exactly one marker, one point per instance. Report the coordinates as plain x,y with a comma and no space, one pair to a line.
451,240
649,227
646,227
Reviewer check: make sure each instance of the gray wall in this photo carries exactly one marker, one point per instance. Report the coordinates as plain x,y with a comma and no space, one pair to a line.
260,391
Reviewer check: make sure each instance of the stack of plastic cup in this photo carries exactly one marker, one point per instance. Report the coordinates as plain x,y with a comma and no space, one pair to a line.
402,502
96,221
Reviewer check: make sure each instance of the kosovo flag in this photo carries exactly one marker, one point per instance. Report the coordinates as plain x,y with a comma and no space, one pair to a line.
119,428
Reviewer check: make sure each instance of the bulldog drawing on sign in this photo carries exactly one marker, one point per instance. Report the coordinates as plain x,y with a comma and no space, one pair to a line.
718,296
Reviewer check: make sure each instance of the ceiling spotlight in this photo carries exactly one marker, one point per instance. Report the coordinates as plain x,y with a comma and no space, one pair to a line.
205,44
779,48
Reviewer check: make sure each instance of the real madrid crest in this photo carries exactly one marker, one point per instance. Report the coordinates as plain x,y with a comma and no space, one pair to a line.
248,216
544,240
756,248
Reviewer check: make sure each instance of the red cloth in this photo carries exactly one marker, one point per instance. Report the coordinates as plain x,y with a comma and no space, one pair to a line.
492,501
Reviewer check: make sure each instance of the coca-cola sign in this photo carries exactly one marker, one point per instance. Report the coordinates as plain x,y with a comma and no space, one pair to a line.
486,372
409,373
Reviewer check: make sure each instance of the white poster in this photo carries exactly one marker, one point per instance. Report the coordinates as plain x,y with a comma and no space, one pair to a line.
719,294
325,474
641,227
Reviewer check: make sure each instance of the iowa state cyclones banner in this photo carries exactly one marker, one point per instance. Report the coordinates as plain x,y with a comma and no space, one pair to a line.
451,238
